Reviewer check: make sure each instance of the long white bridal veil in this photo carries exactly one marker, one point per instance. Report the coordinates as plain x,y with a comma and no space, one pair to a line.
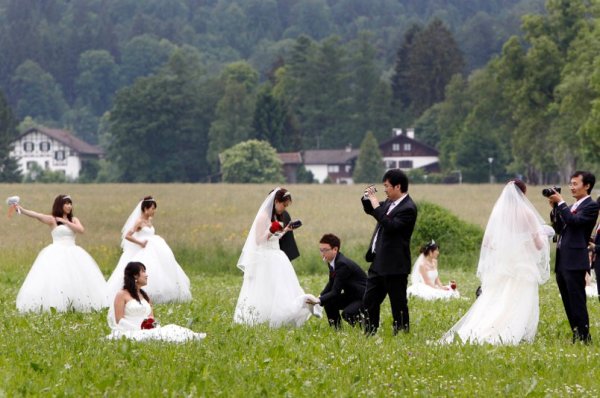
133,217
515,242
259,230
415,275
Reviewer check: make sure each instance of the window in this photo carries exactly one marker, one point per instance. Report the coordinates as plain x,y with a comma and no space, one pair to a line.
348,168
405,164
390,164
59,155
333,168
44,146
31,165
28,146
395,147
407,147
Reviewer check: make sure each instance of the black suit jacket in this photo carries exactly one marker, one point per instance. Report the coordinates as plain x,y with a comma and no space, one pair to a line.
287,243
392,250
348,278
575,230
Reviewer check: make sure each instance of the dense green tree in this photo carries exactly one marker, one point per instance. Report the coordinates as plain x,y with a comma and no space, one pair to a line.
37,94
369,165
9,170
159,125
251,161
144,55
97,81
233,118
269,121
430,59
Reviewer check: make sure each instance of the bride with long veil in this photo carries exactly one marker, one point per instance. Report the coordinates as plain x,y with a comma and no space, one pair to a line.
513,262
270,292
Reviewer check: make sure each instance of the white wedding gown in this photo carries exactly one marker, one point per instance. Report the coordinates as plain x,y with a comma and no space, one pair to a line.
271,292
514,261
166,279
424,291
64,277
130,326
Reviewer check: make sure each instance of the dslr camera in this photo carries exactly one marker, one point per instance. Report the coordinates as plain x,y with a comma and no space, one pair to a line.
547,192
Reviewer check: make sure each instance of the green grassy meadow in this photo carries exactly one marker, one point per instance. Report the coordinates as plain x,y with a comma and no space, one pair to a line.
66,354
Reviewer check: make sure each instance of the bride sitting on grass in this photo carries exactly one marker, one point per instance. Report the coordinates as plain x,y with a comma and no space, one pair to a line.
131,315
426,282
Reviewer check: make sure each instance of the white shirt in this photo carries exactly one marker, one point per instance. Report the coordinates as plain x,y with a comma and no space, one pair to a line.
392,206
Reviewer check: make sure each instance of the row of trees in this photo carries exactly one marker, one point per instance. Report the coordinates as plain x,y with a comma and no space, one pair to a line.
67,59
534,109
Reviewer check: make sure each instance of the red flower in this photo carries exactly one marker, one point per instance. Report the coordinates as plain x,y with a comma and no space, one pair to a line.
148,323
275,226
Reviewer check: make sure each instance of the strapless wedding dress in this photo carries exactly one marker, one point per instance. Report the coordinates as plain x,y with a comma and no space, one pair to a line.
130,326
166,279
271,292
426,292
64,277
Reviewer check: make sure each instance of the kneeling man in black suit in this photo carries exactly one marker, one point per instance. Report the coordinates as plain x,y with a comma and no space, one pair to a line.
346,286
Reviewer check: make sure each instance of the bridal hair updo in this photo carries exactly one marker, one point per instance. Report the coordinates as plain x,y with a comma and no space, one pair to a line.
429,248
281,196
520,184
147,203
57,207
132,271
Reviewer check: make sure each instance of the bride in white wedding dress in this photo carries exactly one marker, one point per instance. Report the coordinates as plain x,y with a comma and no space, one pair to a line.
270,292
513,262
425,280
64,276
131,315
139,242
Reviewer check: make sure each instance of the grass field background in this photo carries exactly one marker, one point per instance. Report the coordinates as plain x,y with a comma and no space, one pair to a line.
67,355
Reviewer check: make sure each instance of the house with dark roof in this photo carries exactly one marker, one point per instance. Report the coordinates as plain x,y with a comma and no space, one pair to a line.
53,149
401,151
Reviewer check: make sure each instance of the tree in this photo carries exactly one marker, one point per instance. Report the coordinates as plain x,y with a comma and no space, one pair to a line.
37,94
159,126
144,55
251,161
269,121
97,81
425,64
233,121
9,169
369,165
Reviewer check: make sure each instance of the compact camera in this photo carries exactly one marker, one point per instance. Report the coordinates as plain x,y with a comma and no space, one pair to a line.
547,192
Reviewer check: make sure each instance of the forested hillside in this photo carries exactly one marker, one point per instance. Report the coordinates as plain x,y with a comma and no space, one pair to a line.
198,76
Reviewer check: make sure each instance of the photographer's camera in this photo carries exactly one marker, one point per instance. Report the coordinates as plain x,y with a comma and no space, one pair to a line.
547,192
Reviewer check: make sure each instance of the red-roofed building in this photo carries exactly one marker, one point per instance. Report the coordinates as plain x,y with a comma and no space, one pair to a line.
53,149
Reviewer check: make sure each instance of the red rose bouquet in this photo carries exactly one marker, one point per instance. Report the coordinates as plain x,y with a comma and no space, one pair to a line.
275,227
149,323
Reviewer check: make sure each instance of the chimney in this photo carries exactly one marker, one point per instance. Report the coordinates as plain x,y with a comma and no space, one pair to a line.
396,132
410,133
349,148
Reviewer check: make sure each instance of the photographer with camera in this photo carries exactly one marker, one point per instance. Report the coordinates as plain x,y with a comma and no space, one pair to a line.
574,226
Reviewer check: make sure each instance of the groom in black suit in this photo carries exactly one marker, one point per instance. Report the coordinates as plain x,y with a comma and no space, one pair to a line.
574,225
346,285
389,251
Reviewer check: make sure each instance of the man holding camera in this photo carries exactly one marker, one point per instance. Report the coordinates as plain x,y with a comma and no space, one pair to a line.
574,226
389,251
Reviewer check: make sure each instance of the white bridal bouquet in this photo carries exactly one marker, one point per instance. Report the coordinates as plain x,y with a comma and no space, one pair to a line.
12,203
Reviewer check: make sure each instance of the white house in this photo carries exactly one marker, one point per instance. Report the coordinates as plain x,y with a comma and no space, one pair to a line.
53,149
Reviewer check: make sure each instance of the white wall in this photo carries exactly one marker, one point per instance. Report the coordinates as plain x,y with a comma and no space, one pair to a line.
319,172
